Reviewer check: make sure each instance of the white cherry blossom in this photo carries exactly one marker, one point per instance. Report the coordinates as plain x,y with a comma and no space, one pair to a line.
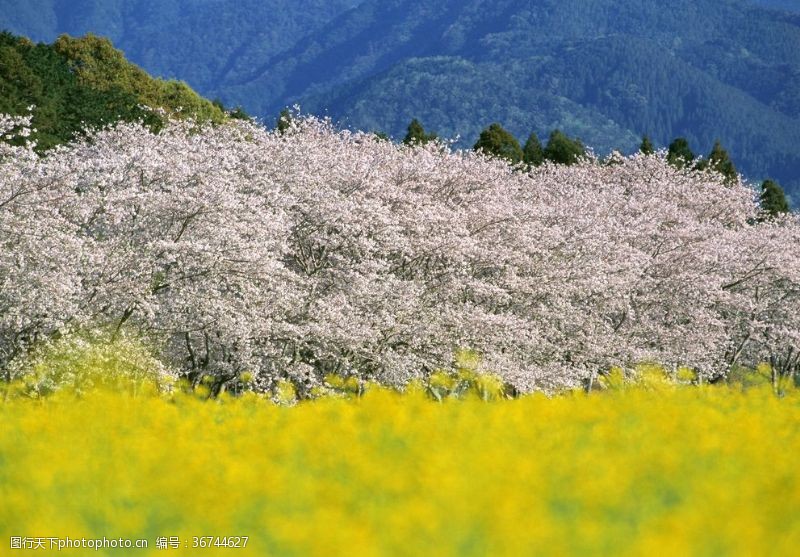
315,251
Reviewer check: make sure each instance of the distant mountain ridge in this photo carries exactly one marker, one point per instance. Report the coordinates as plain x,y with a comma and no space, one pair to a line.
607,71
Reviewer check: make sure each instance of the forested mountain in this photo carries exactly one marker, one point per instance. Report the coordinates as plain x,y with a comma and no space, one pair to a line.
786,5
203,42
78,83
607,71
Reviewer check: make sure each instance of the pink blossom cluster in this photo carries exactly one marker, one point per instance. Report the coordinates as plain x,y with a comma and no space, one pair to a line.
315,251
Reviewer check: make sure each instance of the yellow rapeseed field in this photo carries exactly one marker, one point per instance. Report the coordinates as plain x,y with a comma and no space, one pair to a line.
668,471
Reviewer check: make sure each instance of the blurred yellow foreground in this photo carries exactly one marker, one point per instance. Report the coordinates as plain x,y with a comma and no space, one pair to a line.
672,471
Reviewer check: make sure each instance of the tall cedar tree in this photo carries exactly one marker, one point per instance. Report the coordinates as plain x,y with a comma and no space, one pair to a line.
679,154
563,150
719,161
773,199
416,134
532,153
646,147
498,142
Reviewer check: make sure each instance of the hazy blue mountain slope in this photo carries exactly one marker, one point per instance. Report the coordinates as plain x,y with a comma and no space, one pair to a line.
602,105
199,41
787,5
360,42
620,78
452,94
606,70
702,69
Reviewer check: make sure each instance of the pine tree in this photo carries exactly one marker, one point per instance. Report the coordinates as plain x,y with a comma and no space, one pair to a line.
773,199
679,154
416,134
646,148
719,161
498,142
563,150
532,153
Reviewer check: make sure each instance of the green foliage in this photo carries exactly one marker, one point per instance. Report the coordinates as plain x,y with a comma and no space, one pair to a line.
338,385
465,384
284,121
563,150
98,65
79,83
773,199
654,377
646,147
498,142
532,152
679,154
285,393
646,376
762,377
464,380
719,161
746,378
238,113
82,362
416,135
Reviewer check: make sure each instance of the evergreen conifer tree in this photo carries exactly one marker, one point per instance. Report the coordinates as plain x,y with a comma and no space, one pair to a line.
284,121
498,142
532,153
679,154
562,149
719,161
773,199
416,134
646,147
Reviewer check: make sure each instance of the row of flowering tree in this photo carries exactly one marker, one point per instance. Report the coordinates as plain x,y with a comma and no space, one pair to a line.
312,251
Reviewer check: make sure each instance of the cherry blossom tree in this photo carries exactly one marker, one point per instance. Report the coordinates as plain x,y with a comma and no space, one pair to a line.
312,251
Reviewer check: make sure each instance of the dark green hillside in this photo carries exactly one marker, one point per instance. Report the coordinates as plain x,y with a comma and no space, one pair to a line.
75,83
